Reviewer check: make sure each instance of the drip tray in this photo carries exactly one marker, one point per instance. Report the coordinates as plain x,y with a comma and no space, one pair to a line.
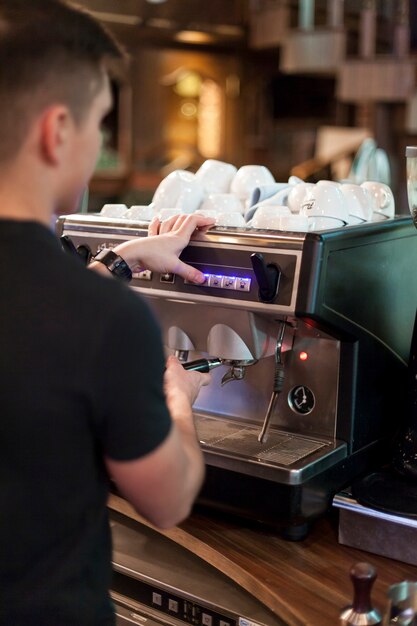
281,448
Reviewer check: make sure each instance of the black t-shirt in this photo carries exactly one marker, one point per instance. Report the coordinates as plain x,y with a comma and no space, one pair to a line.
81,368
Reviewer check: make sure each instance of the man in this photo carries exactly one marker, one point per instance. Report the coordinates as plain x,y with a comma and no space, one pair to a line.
81,359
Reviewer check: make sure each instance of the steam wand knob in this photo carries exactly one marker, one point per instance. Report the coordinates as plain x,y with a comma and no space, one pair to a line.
363,576
267,275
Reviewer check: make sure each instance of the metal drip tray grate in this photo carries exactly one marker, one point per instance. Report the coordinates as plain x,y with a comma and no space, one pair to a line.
281,448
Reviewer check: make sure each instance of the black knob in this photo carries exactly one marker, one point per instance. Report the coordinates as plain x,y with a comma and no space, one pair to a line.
67,245
82,252
85,253
267,275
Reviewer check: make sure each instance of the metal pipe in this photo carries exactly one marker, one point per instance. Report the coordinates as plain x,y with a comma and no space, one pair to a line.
306,14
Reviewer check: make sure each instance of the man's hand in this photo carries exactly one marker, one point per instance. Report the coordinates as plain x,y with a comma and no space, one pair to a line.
160,251
182,385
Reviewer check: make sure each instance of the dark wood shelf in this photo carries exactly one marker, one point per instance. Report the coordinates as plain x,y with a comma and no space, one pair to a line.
304,583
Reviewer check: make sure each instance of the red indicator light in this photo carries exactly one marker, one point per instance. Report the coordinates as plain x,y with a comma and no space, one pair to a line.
303,356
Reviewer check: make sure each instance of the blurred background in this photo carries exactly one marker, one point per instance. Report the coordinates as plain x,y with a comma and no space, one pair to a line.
313,88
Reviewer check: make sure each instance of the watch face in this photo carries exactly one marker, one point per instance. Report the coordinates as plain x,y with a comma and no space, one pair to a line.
301,399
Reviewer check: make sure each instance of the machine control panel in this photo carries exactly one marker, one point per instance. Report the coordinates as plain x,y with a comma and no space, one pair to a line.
227,267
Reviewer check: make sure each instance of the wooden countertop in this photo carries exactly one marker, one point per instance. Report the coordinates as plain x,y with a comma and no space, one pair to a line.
305,583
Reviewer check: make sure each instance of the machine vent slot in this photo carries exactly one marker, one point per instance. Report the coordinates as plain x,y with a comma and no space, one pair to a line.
281,448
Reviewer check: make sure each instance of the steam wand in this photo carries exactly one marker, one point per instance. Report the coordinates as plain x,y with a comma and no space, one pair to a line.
278,384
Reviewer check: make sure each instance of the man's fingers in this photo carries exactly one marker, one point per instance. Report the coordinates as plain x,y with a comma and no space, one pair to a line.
194,221
206,379
171,224
184,224
189,273
154,225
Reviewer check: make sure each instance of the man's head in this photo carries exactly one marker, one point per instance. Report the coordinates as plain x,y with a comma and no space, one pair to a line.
53,84
50,52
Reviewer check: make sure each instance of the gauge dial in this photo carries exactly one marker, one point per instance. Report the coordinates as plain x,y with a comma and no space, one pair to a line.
301,399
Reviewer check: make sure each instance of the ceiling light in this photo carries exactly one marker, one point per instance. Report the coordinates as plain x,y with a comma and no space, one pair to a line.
194,36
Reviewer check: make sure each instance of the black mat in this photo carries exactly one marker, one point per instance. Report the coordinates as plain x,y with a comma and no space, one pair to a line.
388,492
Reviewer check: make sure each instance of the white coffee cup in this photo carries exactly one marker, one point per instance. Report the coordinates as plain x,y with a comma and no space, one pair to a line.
216,176
268,217
207,213
325,207
165,214
180,189
247,178
139,212
382,198
113,210
297,195
230,219
222,203
294,180
294,223
358,201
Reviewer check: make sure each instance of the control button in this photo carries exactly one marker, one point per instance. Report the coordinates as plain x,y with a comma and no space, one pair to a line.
167,278
206,620
156,599
215,280
229,282
223,623
205,282
172,605
145,275
243,284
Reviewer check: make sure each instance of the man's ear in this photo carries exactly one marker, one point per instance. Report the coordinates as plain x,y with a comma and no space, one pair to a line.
56,125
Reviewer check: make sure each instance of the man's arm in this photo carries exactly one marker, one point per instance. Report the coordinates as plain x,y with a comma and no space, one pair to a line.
160,253
163,485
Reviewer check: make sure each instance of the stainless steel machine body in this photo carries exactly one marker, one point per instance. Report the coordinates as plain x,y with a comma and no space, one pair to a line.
336,327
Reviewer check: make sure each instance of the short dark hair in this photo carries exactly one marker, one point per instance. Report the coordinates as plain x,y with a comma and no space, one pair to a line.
50,51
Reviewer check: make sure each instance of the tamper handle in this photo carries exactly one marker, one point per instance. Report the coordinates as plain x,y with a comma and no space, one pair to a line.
363,576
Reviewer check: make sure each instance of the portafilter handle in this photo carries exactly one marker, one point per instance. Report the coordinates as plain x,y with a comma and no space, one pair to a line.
202,365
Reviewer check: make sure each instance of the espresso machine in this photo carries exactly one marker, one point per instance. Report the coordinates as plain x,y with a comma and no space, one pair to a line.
310,335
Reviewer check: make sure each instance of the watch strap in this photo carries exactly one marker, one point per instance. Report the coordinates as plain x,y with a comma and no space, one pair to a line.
115,264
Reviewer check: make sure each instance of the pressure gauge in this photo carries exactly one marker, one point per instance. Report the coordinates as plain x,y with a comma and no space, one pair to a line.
301,399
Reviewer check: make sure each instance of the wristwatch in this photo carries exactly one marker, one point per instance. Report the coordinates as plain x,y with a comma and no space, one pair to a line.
115,264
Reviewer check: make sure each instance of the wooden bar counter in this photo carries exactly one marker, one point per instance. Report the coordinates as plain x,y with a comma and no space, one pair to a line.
305,583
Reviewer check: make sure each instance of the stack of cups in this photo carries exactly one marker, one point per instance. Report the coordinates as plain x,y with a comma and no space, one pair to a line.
249,197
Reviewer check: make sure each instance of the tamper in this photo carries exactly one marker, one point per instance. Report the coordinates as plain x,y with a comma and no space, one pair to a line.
363,576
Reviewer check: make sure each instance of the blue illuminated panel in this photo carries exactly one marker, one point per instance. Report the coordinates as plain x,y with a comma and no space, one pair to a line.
219,281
